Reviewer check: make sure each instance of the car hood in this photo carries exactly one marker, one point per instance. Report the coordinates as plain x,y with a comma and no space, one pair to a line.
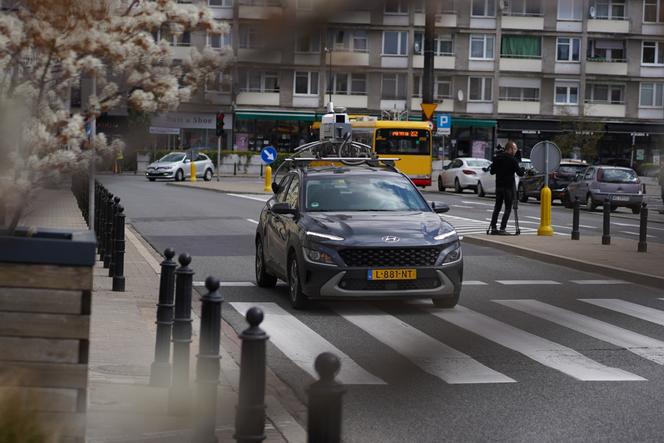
369,228
162,164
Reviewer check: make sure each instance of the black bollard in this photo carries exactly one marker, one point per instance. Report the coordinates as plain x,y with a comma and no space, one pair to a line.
111,262
606,231
178,398
324,421
104,224
643,229
108,252
250,416
234,168
207,368
160,371
119,250
575,219
97,212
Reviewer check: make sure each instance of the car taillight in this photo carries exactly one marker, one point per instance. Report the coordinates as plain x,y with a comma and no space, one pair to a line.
468,172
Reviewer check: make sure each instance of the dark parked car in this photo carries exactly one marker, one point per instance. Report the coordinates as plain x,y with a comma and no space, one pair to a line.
356,232
621,186
532,182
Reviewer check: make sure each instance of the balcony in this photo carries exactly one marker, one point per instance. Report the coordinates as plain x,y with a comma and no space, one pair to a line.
439,61
566,110
518,107
351,101
479,107
651,114
352,17
389,105
652,29
258,98
306,101
348,58
573,68
521,64
608,67
255,12
259,55
604,110
529,23
221,13
307,59
181,52
388,61
609,26
652,71
447,19
446,105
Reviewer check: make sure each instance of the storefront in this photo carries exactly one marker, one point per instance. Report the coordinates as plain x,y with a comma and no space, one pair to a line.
186,130
285,130
470,137
526,133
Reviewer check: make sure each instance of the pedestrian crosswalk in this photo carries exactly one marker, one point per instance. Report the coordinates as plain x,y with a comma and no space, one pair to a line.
469,226
439,355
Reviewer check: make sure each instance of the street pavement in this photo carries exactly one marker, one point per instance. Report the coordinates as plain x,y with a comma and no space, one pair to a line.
535,351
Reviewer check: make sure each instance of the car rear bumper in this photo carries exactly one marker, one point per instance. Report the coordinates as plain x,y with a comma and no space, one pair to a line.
618,199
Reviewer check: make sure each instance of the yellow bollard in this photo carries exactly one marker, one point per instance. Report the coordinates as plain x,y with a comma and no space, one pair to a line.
268,179
192,171
545,227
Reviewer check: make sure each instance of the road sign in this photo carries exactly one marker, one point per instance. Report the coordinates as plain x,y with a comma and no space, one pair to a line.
443,124
268,155
428,109
545,156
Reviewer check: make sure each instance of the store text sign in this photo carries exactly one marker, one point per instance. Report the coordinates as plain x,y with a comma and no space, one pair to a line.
192,120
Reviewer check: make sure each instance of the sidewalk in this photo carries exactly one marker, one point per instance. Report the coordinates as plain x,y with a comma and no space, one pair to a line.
232,184
122,407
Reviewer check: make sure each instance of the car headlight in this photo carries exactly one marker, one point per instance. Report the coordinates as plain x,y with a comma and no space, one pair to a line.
445,235
318,256
453,255
318,236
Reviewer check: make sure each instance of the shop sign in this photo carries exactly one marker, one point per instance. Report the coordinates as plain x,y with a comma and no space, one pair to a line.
188,120
640,154
164,131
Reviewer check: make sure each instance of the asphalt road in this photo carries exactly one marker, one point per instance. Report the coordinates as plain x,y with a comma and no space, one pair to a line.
535,352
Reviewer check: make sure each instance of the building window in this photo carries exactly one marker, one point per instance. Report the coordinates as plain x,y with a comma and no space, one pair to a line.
360,41
393,87
481,47
484,8
652,95
442,87
220,3
395,42
306,83
219,41
606,50
566,93
609,9
417,85
570,9
567,49
480,89
601,93
521,46
256,81
218,82
183,39
443,45
653,53
528,8
345,40
653,11
396,7
518,94
249,37
345,83
308,43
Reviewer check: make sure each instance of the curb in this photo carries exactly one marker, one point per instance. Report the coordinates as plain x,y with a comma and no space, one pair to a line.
631,276
223,191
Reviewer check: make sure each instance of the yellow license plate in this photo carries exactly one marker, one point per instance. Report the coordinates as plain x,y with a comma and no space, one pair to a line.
392,274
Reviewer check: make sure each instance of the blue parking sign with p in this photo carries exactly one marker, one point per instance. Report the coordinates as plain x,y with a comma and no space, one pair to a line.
443,123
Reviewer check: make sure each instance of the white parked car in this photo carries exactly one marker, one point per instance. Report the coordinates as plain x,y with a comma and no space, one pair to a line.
177,166
486,183
462,173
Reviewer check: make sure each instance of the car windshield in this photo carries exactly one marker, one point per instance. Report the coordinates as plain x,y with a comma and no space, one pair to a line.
617,176
173,157
478,163
572,169
526,165
362,193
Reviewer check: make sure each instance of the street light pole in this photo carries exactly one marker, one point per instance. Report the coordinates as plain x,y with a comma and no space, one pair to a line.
91,174
429,39
329,72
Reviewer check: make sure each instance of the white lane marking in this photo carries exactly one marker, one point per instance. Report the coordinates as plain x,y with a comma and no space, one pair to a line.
629,225
252,197
632,309
154,264
535,223
641,345
302,345
429,354
533,217
527,282
635,233
462,206
477,203
251,220
599,282
586,226
546,352
229,283
474,283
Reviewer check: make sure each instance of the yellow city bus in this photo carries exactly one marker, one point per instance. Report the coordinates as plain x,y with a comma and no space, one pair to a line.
410,141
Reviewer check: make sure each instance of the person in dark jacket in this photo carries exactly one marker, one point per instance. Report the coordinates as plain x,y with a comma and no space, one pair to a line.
504,167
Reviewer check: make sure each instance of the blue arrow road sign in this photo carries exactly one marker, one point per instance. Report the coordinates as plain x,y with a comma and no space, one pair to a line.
443,123
268,154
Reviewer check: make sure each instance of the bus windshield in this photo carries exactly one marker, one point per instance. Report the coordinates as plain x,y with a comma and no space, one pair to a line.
402,141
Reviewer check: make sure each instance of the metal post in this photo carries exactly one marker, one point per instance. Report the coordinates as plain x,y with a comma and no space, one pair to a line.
93,134
108,249
119,250
218,157
104,225
160,371
178,398
430,7
643,229
207,368
606,231
96,209
111,263
324,422
575,219
250,416
234,168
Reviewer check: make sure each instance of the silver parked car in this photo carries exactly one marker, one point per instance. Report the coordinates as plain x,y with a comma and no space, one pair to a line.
177,166
621,186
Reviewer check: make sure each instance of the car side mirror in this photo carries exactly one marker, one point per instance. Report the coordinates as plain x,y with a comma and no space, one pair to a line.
275,187
485,169
439,207
186,160
283,208
446,167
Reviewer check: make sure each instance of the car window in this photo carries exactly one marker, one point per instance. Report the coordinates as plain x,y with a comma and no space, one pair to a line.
456,163
571,169
478,163
280,196
589,174
617,176
362,193
173,157
292,196
201,157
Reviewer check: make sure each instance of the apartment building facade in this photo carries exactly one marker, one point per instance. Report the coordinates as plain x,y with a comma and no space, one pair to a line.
519,69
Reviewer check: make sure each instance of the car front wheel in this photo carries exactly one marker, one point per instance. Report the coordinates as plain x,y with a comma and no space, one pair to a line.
440,184
480,189
179,176
208,175
297,298
263,279
523,198
590,205
457,186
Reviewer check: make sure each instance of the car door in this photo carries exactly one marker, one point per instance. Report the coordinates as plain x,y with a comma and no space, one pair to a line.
284,224
201,164
451,172
271,237
583,185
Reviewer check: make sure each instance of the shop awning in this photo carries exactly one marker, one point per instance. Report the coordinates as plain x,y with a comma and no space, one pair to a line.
276,115
472,123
